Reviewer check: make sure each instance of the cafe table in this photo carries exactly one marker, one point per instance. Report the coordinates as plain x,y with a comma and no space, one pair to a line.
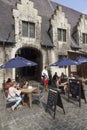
29,92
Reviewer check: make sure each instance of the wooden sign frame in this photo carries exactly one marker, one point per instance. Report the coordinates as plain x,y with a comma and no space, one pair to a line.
76,90
54,99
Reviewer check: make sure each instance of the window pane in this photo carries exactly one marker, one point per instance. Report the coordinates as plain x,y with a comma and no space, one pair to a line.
64,35
83,37
25,29
32,30
86,38
59,35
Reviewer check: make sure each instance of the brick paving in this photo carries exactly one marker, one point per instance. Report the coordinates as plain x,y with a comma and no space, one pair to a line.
37,119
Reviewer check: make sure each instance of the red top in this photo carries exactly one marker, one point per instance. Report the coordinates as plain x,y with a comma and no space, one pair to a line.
7,85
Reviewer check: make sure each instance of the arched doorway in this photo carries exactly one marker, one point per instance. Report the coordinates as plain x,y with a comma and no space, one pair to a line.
33,72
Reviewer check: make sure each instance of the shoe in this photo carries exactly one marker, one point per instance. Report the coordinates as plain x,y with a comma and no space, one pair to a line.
12,108
19,106
23,103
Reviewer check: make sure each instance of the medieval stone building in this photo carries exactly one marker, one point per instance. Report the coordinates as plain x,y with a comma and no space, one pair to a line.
42,31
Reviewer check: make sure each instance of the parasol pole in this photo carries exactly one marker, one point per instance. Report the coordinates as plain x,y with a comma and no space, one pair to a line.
65,69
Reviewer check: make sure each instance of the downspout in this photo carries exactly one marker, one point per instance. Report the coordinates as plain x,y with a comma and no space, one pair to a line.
47,55
4,57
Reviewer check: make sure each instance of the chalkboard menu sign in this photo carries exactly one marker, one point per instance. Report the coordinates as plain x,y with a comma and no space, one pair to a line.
74,87
76,90
53,100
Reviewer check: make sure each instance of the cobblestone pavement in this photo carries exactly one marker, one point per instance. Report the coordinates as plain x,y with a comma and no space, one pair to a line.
37,119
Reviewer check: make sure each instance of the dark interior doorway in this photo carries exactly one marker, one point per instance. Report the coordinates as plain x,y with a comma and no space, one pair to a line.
33,72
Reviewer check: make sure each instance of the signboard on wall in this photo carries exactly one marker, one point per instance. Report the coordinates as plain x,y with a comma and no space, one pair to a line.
73,68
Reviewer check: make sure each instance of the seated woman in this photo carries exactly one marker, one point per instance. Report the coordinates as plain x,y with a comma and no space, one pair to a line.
14,95
63,86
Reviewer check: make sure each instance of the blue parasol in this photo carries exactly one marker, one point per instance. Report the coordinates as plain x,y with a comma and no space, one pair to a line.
18,62
64,62
81,59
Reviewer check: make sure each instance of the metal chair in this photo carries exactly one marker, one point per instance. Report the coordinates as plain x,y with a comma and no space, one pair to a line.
38,95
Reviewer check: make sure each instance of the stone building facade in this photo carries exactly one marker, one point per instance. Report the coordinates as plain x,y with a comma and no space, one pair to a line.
42,31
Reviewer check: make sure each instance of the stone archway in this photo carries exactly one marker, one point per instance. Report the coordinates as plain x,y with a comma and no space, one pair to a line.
30,73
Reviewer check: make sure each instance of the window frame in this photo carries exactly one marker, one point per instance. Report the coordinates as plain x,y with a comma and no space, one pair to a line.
84,38
30,29
61,34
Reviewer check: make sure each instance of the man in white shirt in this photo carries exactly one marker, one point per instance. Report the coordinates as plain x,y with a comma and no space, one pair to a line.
45,72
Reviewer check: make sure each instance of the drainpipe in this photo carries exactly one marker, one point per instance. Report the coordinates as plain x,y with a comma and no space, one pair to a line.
4,57
47,55
49,71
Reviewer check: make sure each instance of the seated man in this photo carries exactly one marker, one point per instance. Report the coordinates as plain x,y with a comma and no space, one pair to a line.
63,86
71,76
14,96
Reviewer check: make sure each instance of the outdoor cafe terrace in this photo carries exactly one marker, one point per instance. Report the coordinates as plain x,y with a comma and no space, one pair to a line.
36,118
